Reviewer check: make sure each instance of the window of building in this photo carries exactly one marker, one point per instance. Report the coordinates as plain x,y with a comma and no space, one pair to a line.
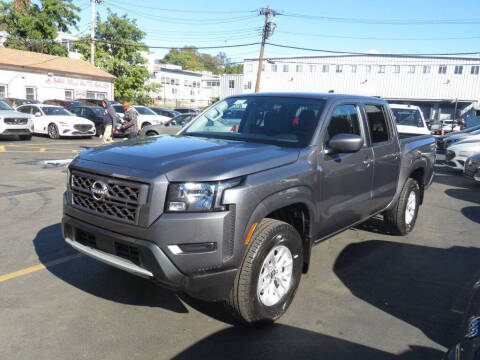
474,70
263,67
411,69
3,91
299,68
368,68
381,69
101,96
354,68
377,123
174,91
426,69
249,68
30,93
442,69
325,68
285,68
339,68
172,81
231,84
312,68
68,94
192,92
273,68
344,120
249,85
396,69
90,95
458,69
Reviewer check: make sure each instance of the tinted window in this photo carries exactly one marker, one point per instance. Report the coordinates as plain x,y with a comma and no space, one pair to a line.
25,109
98,111
344,120
144,110
264,119
4,106
76,111
377,123
55,111
119,109
410,117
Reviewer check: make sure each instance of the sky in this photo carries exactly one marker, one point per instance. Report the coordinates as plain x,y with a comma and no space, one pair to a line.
385,26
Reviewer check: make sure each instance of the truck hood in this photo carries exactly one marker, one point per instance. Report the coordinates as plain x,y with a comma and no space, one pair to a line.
183,158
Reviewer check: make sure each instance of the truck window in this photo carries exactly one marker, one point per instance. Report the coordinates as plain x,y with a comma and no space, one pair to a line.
344,120
377,123
409,117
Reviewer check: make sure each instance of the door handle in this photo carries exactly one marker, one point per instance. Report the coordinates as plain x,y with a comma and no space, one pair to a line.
367,162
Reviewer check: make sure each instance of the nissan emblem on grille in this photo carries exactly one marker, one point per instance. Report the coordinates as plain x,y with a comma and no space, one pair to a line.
99,190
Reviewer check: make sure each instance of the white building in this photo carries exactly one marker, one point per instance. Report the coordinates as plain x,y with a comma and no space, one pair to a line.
30,75
432,82
232,84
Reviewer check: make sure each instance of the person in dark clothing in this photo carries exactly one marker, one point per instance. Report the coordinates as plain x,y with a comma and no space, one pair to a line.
108,120
130,125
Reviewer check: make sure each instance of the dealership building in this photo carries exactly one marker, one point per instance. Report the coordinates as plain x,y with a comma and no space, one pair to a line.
437,84
36,76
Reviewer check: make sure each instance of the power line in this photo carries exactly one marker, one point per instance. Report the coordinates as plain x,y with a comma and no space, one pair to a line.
192,11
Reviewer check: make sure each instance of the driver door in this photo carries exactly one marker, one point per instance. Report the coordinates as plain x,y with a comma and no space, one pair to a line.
347,178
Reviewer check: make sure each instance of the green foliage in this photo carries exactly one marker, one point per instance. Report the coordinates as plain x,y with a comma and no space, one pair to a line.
34,27
190,59
118,50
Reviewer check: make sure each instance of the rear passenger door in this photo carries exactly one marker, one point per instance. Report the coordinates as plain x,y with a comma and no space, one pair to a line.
347,178
386,151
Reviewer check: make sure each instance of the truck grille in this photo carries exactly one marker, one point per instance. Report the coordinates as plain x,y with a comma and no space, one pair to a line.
109,197
450,155
15,121
82,127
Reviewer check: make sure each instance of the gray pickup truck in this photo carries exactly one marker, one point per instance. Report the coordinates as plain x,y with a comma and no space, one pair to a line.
229,209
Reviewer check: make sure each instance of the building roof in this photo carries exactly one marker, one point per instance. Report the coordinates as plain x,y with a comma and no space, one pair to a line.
58,64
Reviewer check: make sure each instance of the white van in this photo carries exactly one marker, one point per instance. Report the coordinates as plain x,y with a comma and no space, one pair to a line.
409,119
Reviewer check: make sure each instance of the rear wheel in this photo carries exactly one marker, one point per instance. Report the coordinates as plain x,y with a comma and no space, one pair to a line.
151,133
145,124
270,273
403,216
53,131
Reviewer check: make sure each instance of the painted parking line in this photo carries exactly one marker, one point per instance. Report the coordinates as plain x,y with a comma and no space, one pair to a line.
38,267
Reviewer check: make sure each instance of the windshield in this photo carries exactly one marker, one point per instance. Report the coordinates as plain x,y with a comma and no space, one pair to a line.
98,111
4,106
55,111
409,117
144,110
265,119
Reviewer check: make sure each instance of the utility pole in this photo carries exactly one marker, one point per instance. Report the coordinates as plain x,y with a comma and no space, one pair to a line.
267,32
92,32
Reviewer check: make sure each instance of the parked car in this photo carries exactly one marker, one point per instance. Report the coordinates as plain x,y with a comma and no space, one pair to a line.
67,104
231,213
458,153
146,116
452,138
165,112
154,130
468,341
56,121
14,102
450,126
409,119
182,119
93,113
14,123
472,167
188,110
96,102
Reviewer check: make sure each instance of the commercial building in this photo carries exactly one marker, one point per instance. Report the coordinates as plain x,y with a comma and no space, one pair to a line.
30,75
438,84
232,84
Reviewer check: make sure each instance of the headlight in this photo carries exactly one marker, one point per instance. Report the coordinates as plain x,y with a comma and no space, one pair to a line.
466,153
198,197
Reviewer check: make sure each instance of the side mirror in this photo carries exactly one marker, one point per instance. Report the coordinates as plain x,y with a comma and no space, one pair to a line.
38,114
345,143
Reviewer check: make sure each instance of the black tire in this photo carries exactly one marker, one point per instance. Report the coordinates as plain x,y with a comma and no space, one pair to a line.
151,133
244,300
25,137
53,131
396,217
145,124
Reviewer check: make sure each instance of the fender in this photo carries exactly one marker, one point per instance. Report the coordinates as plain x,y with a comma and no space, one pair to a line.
294,195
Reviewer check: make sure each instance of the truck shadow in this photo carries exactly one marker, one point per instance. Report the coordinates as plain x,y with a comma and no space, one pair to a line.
99,279
282,342
424,286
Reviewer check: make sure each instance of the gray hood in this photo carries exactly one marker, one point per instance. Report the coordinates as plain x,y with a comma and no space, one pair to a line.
191,159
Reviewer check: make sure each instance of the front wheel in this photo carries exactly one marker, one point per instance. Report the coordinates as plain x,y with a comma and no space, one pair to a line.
266,282
151,133
53,131
403,216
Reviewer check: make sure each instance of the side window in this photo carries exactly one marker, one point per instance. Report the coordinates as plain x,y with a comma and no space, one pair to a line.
75,111
35,110
344,120
25,109
377,123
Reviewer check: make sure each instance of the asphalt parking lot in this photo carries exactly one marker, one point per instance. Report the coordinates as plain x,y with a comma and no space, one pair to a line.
368,294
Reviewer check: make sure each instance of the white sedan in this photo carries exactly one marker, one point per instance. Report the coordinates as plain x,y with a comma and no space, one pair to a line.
55,121
457,154
146,116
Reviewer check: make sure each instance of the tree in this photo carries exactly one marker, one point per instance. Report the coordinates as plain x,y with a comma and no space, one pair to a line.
34,27
190,59
119,51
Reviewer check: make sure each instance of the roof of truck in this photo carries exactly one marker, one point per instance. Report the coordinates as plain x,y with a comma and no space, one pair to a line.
312,95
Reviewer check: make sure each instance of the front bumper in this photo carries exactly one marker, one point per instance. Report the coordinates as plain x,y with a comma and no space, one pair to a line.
16,131
153,260
472,170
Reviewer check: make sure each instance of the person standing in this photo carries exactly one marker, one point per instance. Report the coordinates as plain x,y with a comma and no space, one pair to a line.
108,121
130,126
